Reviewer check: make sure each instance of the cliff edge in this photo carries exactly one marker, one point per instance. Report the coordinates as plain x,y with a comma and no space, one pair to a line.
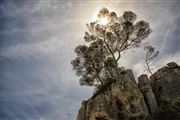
136,101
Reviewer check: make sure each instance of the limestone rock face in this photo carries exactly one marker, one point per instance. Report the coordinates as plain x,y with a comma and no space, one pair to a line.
166,83
146,89
115,103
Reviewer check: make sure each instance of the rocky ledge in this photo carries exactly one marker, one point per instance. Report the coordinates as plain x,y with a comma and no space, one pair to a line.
136,101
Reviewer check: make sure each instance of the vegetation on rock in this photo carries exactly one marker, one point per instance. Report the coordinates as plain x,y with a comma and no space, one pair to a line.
107,37
151,53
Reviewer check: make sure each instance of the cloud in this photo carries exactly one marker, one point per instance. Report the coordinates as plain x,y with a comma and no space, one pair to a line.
38,40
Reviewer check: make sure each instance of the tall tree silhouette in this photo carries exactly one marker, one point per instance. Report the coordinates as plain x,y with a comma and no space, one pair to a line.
107,37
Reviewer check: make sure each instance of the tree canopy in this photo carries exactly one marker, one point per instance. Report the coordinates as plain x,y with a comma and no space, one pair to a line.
107,38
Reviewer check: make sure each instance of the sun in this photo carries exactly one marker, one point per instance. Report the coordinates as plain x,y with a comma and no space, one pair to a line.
103,21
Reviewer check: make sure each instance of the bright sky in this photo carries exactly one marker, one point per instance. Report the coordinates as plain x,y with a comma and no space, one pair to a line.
37,43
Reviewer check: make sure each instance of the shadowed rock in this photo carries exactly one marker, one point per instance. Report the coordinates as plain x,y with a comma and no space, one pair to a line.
166,83
146,89
115,103
134,102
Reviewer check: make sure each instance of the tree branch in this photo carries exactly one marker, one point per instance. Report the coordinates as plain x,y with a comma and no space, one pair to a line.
119,56
125,42
101,81
111,54
147,63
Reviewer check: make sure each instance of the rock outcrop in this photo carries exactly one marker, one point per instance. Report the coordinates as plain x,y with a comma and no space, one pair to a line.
135,101
146,89
166,83
113,103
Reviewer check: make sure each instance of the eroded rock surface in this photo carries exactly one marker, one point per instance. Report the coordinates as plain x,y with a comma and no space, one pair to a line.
115,103
146,89
134,102
166,83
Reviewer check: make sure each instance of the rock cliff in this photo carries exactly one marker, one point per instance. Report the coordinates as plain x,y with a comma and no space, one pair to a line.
166,83
137,100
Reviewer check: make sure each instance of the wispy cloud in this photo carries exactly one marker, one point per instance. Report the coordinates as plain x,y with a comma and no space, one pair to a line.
38,40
